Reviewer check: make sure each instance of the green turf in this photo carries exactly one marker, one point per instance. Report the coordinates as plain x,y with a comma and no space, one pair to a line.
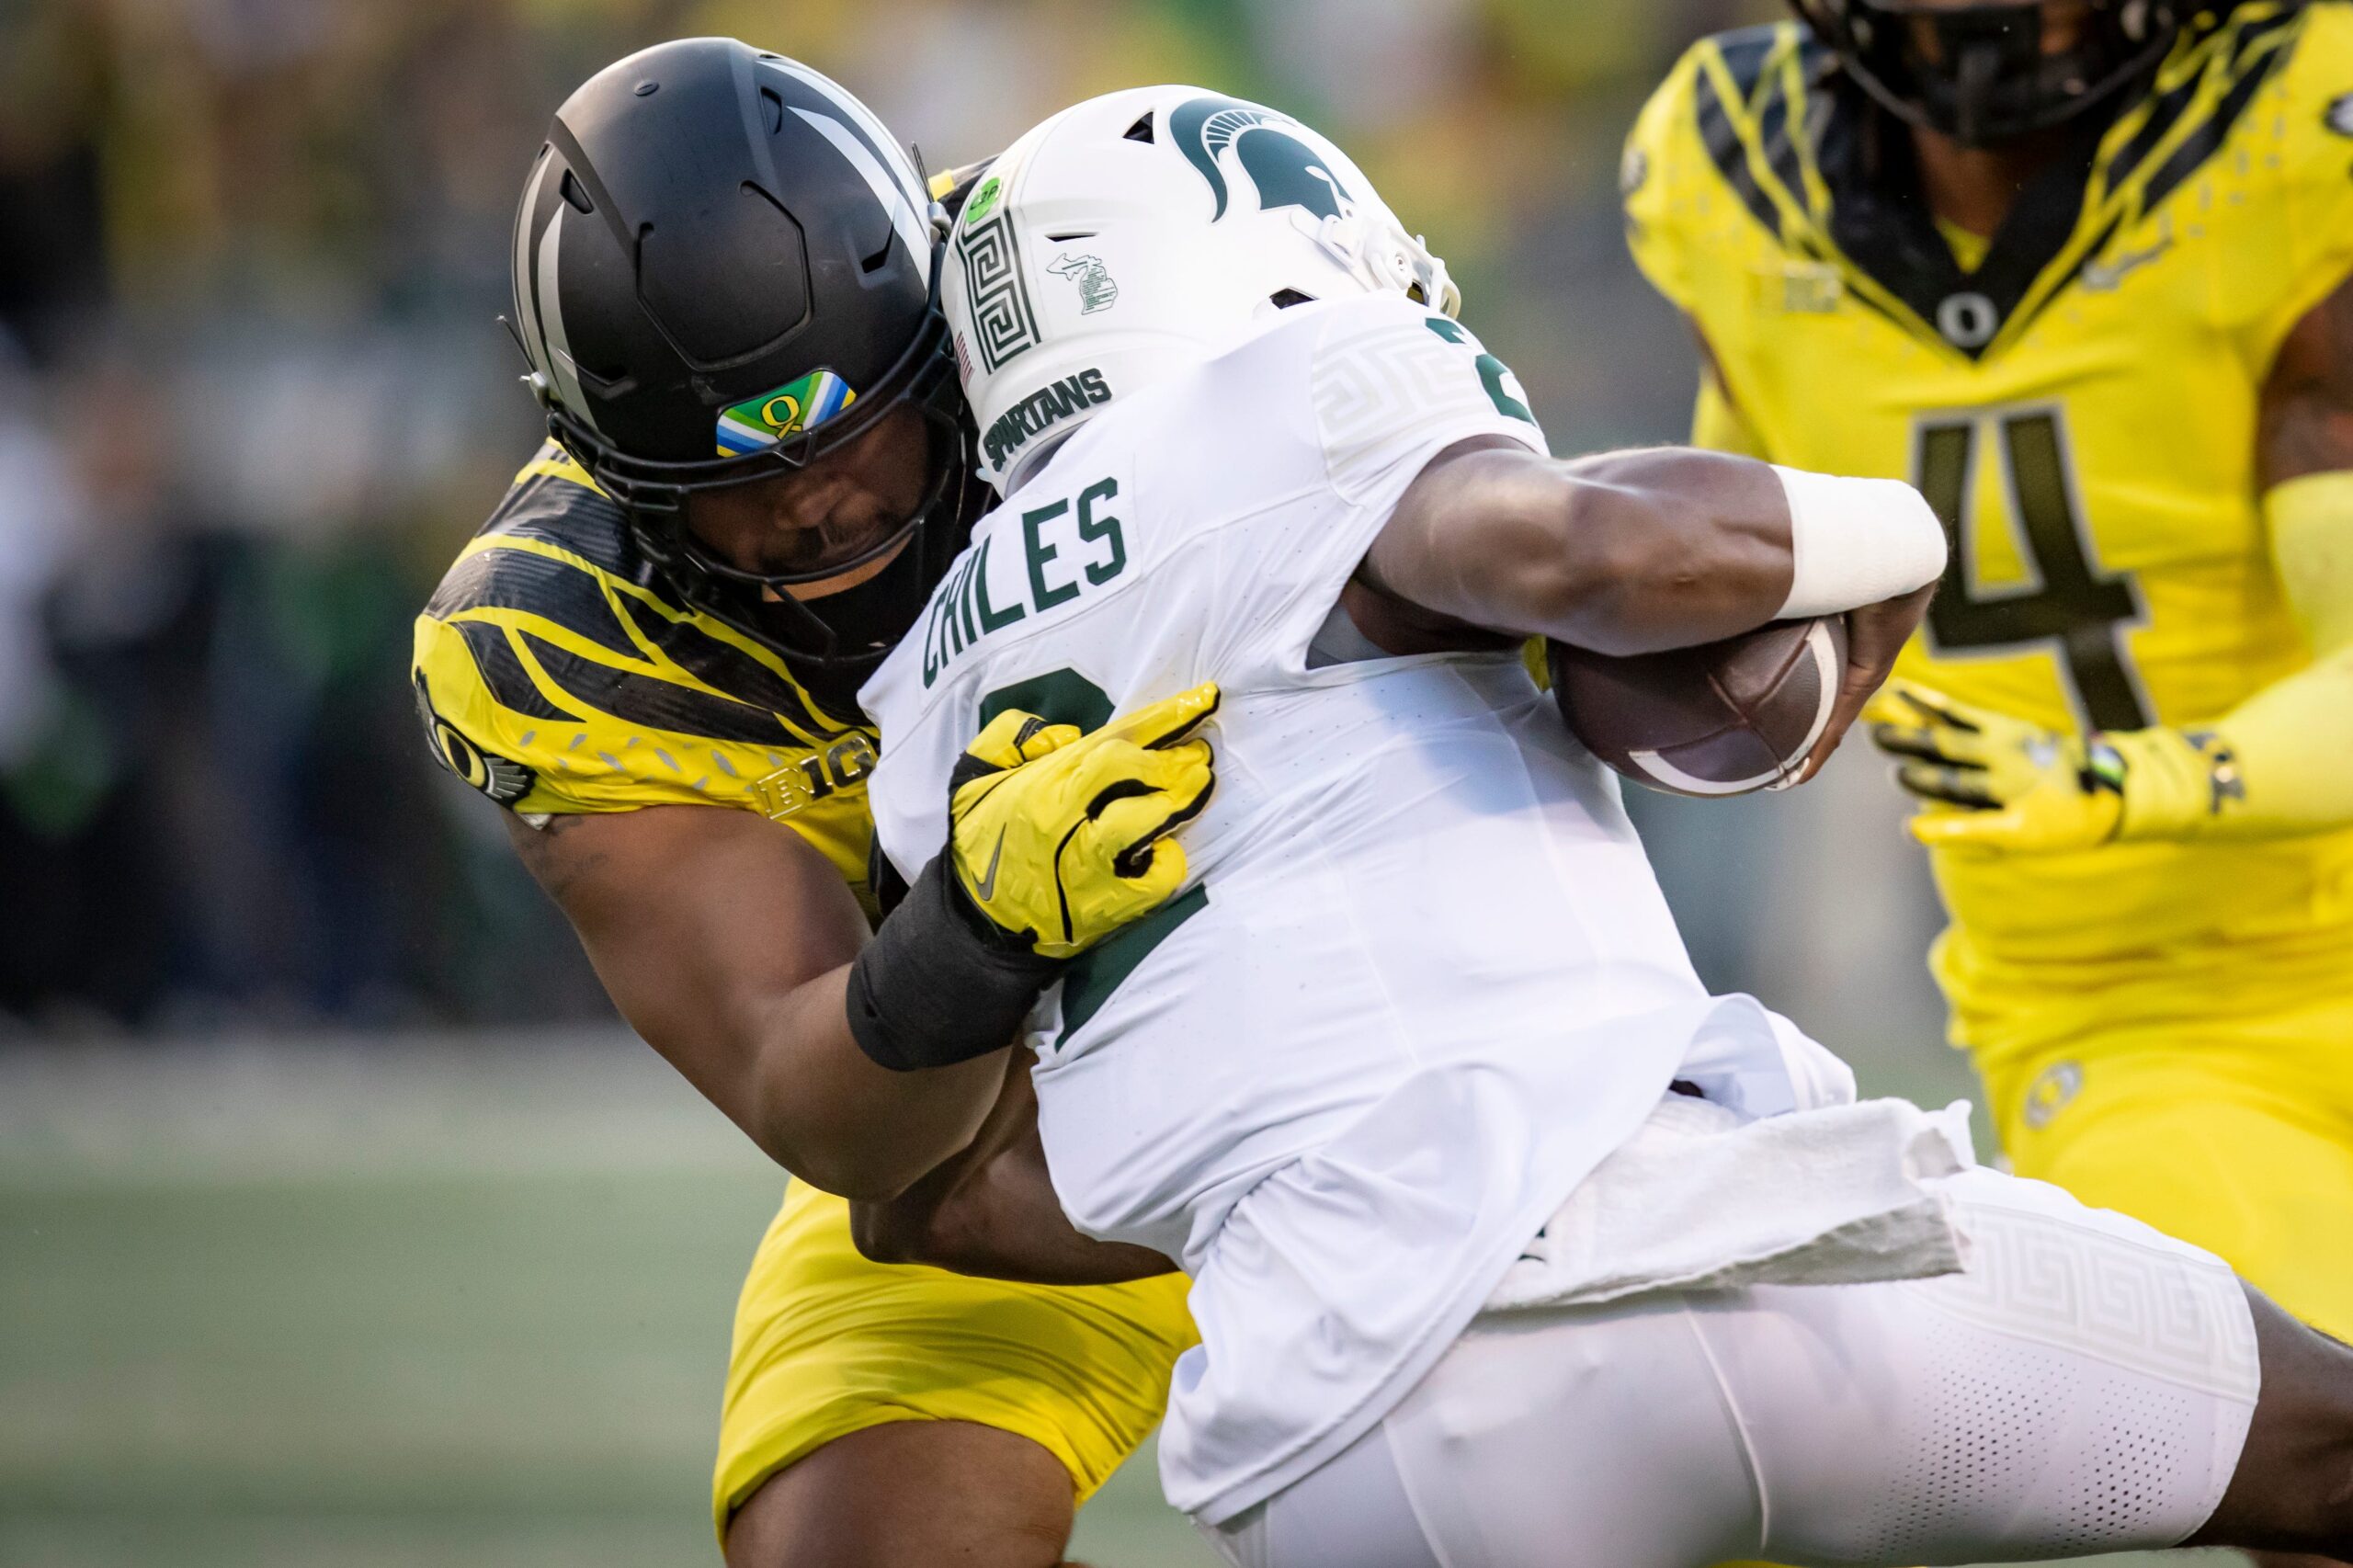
408,1309
386,1305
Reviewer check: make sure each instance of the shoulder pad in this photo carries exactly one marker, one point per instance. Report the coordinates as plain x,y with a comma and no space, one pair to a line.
553,675
1690,147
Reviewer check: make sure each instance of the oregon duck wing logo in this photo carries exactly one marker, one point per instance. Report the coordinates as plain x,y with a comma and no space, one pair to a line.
1284,168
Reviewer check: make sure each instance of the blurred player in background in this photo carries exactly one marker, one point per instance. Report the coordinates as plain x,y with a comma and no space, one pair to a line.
2077,269
649,655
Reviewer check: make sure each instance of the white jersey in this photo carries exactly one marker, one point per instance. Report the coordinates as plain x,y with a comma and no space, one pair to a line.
1422,981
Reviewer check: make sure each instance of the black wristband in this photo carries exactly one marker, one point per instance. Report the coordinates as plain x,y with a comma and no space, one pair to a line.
940,984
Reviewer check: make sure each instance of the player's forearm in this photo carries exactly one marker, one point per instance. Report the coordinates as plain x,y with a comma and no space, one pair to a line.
981,1229
1635,551
2281,763
1621,553
778,1060
826,1111
1668,548
992,1211
725,941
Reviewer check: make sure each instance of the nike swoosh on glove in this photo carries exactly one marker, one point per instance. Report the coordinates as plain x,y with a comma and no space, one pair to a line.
1056,840
1060,839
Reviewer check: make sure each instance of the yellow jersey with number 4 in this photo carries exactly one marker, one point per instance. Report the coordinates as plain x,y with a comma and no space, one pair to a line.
2078,402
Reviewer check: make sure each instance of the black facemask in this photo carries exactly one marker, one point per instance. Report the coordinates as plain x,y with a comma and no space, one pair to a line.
864,623
1985,77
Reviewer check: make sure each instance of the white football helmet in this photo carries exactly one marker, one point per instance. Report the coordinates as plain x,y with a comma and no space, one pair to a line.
1141,232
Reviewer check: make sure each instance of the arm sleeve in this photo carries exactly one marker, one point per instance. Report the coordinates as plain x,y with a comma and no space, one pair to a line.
2281,763
2293,740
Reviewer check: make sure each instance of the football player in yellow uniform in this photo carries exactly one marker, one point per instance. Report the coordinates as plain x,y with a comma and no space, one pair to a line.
724,281
2078,270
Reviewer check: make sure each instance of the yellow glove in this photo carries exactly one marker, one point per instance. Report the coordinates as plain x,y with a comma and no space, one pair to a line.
1060,839
1994,782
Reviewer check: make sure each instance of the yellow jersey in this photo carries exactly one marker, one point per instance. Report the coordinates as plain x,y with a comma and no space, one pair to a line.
2077,399
555,672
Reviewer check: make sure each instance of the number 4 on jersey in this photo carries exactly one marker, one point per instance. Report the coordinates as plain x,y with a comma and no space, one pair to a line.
2069,603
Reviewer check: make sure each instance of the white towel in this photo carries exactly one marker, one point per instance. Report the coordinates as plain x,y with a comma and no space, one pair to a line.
1702,1199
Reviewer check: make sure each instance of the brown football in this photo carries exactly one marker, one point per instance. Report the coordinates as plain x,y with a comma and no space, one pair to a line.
1722,718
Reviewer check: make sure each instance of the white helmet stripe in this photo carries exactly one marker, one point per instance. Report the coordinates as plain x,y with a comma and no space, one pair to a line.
527,309
902,166
559,366
903,218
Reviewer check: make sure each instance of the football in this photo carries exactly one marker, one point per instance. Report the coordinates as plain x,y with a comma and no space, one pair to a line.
1720,719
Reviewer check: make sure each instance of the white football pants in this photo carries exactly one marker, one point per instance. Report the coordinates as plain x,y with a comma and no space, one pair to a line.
2086,1386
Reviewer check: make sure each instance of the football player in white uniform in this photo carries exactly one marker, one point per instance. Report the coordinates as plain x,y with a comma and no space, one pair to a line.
1509,1245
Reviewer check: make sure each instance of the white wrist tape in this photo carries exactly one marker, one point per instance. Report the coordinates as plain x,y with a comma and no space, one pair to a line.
1856,541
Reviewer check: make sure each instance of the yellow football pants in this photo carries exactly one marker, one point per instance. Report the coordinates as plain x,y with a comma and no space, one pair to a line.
828,1344
2236,1136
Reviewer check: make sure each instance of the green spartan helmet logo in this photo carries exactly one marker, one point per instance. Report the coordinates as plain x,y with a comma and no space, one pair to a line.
1286,170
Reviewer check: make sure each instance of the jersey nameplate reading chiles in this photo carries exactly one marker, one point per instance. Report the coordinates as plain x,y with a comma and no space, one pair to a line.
1067,546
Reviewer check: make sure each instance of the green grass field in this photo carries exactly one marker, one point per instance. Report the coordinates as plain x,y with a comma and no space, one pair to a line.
380,1305
376,1304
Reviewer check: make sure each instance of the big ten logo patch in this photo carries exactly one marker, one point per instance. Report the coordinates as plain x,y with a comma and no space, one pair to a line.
1796,287
815,776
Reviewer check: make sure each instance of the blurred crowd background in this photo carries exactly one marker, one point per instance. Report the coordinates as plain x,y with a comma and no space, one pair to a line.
253,398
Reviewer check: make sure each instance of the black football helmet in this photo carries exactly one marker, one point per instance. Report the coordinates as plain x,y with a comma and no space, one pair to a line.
725,268
1980,75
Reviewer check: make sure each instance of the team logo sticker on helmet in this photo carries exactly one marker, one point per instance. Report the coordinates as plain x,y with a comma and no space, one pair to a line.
801,404
1096,289
1286,171
1003,321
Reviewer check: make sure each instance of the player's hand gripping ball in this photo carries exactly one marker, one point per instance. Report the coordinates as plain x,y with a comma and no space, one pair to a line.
1060,839
1720,719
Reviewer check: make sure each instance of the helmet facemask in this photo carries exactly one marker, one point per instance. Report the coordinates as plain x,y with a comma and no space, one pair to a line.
837,639
724,271
1979,73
